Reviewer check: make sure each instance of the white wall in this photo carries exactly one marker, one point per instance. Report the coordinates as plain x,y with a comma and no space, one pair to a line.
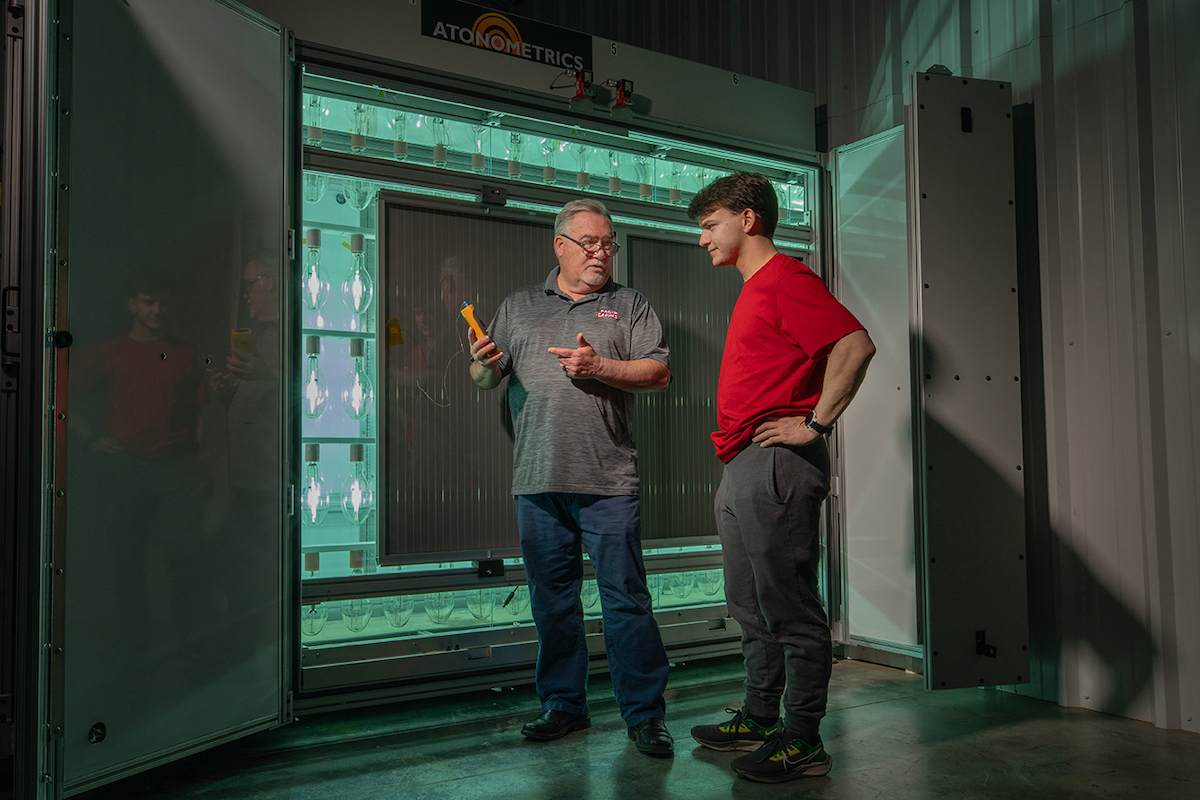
1114,548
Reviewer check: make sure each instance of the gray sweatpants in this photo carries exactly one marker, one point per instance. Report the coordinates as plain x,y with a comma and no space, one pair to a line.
768,511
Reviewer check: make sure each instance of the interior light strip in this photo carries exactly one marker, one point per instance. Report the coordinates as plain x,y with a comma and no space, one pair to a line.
717,152
422,190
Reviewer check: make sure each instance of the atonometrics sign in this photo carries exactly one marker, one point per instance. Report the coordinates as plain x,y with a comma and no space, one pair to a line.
473,26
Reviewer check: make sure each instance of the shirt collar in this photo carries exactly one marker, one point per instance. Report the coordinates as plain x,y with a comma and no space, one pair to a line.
551,287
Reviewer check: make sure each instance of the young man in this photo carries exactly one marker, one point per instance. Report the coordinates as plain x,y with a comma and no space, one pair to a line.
576,348
152,385
794,358
142,486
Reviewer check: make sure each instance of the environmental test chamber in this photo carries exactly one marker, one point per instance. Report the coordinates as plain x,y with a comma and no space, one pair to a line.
319,194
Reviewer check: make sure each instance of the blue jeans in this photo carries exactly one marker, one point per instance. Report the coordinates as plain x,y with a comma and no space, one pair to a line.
554,528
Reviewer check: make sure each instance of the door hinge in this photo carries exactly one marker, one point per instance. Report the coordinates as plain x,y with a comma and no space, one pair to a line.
982,648
16,19
12,321
291,499
291,243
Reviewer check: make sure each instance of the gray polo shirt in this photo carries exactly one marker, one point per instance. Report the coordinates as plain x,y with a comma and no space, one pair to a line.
573,435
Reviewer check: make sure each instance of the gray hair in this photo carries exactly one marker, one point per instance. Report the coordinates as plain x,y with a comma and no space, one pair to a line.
584,206
267,265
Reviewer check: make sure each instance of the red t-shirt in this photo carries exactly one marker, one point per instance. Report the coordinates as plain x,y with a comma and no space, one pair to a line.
151,403
783,326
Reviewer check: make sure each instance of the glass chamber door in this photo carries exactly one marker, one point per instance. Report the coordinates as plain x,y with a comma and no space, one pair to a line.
169,514
877,564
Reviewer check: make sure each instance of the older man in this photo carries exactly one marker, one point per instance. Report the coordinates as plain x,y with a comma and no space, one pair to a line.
577,348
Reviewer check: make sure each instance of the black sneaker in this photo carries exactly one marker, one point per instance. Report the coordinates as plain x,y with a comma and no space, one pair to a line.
739,733
783,758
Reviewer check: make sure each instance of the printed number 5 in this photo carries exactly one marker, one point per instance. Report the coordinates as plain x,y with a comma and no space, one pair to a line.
614,48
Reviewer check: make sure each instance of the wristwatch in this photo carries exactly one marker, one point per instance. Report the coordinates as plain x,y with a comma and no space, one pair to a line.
812,423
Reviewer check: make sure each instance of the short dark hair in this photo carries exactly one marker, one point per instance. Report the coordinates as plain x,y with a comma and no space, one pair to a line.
150,281
736,193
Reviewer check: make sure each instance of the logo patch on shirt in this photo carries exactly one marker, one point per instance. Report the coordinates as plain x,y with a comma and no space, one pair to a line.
608,313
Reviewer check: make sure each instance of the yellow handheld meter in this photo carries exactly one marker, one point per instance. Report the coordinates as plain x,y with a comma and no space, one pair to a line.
241,342
468,312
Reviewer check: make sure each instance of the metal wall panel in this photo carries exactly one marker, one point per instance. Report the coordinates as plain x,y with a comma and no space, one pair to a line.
1118,195
1174,550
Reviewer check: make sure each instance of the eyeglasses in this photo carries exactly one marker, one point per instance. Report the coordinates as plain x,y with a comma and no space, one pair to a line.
247,284
595,245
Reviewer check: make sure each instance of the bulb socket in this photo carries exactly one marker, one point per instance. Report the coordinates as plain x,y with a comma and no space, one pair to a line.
357,243
358,348
312,345
312,453
312,237
358,453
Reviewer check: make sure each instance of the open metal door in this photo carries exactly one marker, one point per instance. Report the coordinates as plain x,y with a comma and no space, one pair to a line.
171,186
970,479
930,500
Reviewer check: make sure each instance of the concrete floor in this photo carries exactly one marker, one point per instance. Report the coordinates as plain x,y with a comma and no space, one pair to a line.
888,737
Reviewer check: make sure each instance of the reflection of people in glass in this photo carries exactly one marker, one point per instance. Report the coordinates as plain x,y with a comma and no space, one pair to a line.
794,358
449,420
576,348
152,387
426,313
144,443
249,385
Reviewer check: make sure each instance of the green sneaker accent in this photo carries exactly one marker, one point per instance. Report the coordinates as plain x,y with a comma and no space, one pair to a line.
739,733
784,757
